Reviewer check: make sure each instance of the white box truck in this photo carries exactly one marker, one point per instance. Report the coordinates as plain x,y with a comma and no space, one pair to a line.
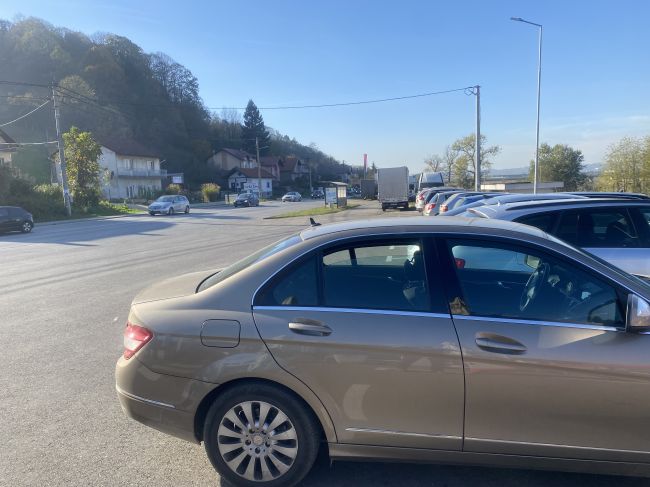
393,187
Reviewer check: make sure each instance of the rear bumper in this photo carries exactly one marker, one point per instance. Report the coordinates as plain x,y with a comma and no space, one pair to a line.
163,402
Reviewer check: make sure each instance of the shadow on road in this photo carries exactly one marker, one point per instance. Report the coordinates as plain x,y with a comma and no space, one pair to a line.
353,474
72,233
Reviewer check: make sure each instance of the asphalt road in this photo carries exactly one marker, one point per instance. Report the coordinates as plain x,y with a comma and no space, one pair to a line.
65,291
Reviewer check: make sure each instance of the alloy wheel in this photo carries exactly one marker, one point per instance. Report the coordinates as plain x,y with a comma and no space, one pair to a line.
257,441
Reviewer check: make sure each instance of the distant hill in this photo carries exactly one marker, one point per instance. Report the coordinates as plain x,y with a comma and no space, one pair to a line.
114,89
522,172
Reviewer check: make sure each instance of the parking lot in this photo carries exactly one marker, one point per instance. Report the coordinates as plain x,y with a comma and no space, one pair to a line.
65,291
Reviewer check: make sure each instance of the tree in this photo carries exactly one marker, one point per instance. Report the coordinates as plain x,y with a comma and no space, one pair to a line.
560,163
82,159
442,163
462,173
627,166
254,128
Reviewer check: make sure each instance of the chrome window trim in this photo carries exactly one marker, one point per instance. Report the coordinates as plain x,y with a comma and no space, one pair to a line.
449,233
143,399
401,433
369,311
557,324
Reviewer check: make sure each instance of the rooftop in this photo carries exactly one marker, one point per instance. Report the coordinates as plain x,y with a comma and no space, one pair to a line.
422,223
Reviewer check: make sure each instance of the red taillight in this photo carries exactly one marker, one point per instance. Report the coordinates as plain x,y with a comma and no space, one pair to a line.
135,337
460,263
430,206
420,197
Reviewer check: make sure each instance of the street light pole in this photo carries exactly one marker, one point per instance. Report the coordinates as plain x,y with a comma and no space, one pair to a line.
539,88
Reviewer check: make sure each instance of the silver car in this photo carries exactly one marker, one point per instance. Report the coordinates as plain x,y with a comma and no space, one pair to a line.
455,340
169,204
616,230
292,196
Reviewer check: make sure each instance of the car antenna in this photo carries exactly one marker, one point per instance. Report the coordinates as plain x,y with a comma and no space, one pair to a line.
313,222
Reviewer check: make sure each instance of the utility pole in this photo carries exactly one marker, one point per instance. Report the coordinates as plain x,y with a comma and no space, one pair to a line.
477,149
259,169
59,140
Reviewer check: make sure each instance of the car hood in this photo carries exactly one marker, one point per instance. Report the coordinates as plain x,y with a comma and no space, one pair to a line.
175,287
161,203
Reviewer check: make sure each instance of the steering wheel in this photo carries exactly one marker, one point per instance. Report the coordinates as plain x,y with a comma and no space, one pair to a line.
533,286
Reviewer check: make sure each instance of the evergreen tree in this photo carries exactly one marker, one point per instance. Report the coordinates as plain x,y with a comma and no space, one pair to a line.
254,127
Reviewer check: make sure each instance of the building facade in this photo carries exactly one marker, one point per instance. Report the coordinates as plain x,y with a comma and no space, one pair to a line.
242,180
129,170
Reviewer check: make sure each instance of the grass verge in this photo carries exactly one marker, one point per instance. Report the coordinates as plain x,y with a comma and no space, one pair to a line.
103,209
321,210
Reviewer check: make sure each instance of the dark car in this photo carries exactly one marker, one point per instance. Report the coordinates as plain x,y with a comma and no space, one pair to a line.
318,194
247,199
14,218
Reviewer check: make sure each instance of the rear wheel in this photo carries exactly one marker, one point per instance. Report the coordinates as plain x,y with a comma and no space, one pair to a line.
256,435
26,227
187,209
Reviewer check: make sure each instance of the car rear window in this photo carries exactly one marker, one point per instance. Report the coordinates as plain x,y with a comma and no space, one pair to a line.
249,261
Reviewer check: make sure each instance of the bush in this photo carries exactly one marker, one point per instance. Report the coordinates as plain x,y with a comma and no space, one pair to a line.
173,189
210,192
43,201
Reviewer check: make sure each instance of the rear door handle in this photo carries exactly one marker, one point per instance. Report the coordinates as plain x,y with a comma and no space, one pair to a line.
499,344
312,328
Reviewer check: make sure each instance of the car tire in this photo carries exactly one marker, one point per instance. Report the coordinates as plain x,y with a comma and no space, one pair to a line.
151,213
187,210
170,212
223,437
26,227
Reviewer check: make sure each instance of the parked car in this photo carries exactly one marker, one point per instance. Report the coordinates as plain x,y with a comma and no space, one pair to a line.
292,196
170,204
14,218
617,230
421,197
604,194
246,199
435,200
342,338
318,194
508,198
459,198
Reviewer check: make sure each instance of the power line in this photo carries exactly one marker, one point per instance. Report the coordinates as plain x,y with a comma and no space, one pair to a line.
349,103
26,115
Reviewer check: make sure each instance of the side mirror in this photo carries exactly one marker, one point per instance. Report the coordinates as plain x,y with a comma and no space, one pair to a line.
637,316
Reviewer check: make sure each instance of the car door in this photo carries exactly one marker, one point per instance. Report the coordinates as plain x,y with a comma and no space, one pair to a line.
364,328
609,233
549,370
5,220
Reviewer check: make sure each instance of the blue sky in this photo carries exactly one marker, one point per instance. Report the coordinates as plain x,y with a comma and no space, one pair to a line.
595,69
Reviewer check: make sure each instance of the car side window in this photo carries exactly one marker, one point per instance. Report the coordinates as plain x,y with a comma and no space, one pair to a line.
607,227
4,212
296,285
388,275
543,221
503,281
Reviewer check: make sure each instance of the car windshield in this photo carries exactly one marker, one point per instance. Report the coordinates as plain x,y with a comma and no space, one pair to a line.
243,196
249,261
165,199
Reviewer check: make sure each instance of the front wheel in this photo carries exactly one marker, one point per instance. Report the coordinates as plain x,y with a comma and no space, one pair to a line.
187,210
170,211
256,435
26,227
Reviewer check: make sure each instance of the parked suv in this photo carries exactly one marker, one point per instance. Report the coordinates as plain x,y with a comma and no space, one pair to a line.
423,339
14,218
616,230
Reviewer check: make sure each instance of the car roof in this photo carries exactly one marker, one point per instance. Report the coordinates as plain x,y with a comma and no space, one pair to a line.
494,211
420,223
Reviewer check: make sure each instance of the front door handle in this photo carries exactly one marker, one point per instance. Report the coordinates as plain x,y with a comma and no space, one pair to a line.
310,327
499,344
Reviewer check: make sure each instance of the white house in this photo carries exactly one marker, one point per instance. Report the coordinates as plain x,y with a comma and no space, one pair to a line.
7,147
129,170
247,179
